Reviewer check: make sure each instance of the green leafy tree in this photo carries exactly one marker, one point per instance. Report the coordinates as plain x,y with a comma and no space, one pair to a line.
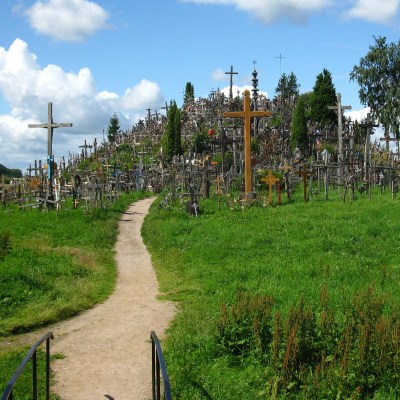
298,135
188,97
113,128
323,96
378,76
173,137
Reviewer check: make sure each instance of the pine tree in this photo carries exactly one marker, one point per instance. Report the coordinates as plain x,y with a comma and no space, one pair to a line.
323,96
188,97
113,128
298,135
173,140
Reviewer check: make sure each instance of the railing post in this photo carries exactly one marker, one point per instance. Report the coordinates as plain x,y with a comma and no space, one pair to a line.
34,376
48,369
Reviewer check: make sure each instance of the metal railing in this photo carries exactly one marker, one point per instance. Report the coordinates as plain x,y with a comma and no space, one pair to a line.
8,393
157,366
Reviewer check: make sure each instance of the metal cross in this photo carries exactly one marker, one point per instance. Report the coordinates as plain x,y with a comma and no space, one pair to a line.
231,73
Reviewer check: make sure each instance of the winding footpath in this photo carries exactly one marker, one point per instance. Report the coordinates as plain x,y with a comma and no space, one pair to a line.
107,351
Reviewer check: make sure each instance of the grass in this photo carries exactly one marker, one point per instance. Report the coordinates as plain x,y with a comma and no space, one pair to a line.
23,390
58,264
328,255
53,265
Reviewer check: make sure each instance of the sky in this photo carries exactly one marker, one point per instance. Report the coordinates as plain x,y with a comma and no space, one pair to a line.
92,59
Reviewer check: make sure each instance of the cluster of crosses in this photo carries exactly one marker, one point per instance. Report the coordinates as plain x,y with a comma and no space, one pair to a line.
232,124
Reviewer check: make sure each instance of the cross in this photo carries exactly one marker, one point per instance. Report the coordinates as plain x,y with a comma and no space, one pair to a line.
340,110
231,73
388,139
50,125
165,108
247,114
368,124
270,180
304,173
280,63
84,148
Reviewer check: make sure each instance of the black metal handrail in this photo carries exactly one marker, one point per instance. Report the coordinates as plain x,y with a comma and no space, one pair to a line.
157,365
8,393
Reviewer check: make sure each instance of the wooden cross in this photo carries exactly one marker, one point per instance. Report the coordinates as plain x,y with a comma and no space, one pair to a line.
84,147
270,180
231,73
247,114
340,110
50,125
388,139
368,125
304,173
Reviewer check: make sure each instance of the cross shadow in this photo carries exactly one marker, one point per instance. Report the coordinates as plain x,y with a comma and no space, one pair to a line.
109,397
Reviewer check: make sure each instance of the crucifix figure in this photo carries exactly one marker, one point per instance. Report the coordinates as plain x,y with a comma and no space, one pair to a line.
50,125
304,173
231,73
247,114
340,110
270,180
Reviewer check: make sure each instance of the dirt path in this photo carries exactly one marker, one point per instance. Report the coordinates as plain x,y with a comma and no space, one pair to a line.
107,349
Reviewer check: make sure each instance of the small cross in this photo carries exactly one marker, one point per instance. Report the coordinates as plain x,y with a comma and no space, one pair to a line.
280,63
270,180
304,173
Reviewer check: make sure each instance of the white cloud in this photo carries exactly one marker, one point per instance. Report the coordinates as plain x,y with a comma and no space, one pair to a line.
67,20
375,10
240,89
269,11
141,96
219,75
298,11
27,88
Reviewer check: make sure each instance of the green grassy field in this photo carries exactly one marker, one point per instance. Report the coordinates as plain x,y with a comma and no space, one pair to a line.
297,301
52,266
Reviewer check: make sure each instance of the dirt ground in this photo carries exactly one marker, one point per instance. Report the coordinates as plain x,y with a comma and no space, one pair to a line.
107,349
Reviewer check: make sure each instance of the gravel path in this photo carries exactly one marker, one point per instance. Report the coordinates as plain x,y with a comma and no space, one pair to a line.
107,349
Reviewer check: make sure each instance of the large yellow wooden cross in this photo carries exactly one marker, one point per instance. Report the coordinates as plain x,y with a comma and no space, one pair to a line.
247,114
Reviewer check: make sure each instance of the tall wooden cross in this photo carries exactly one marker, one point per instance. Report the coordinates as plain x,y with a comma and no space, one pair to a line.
340,110
231,73
280,63
50,125
304,173
270,180
247,114
368,125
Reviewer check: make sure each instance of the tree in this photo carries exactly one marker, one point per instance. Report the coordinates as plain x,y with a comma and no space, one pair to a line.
113,128
188,97
378,75
287,92
298,134
173,139
323,96
287,86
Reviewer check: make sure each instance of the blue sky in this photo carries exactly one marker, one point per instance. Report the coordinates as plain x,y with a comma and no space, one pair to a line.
94,58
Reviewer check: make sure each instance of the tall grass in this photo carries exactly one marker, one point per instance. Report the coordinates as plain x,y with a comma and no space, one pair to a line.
304,273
